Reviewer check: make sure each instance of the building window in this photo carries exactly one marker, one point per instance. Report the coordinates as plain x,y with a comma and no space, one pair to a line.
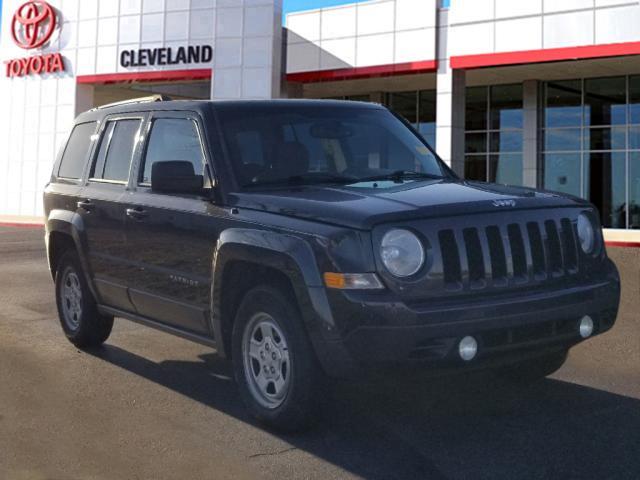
591,144
419,109
358,98
352,98
494,127
427,116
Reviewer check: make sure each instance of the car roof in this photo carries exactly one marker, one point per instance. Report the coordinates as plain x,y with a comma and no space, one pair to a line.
205,106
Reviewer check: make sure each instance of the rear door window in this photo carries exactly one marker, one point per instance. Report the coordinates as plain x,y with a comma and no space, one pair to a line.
173,139
76,152
116,150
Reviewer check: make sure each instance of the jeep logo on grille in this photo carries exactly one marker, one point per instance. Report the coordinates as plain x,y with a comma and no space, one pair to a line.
504,203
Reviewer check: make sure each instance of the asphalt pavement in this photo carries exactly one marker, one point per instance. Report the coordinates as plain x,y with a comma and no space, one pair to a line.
151,406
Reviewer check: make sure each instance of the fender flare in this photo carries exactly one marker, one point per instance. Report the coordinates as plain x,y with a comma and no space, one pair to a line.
70,224
286,253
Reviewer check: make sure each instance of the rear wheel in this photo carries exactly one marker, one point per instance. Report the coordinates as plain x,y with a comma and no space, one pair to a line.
274,364
535,369
83,325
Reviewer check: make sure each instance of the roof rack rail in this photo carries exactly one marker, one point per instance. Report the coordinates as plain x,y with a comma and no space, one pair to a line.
151,98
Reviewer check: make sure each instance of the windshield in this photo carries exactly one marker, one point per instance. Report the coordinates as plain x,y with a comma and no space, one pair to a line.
282,144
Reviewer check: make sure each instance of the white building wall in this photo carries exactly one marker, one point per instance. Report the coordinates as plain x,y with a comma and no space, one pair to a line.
248,49
379,32
37,113
495,26
450,104
247,41
39,110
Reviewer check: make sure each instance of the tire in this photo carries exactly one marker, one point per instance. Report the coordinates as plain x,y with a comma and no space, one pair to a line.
535,369
285,397
81,322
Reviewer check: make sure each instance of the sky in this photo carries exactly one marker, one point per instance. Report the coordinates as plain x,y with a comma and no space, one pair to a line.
298,5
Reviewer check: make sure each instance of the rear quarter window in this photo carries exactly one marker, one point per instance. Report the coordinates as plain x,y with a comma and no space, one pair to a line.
76,153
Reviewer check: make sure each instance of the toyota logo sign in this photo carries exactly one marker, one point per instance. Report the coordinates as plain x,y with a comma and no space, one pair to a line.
31,27
33,24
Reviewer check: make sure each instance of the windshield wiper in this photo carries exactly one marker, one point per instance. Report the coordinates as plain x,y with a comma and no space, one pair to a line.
310,178
399,175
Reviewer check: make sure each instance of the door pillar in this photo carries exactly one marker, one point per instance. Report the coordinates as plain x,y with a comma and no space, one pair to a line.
530,106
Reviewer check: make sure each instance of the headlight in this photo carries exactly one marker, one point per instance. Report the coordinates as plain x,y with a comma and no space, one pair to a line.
401,252
586,234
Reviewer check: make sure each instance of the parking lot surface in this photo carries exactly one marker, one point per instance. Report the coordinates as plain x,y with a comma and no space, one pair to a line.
151,406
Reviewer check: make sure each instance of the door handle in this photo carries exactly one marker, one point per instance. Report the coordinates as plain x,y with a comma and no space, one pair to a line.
87,205
137,213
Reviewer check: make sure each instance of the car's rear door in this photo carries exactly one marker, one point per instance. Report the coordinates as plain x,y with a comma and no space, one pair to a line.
171,237
101,207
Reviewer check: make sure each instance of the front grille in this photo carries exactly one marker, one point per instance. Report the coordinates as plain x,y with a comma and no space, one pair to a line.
450,258
518,254
569,246
474,257
537,249
497,254
511,254
554,253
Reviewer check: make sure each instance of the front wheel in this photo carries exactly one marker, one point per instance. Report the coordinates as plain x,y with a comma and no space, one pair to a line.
274,365
83,325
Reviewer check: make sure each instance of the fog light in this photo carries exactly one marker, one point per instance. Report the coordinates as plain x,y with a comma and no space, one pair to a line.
586,326
468,348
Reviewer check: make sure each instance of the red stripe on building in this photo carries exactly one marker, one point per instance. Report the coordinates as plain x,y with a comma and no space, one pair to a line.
427,66
546,55
623,244
21,225
155,76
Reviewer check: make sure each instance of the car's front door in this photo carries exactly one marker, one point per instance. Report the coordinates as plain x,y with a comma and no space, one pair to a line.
100,206
171,237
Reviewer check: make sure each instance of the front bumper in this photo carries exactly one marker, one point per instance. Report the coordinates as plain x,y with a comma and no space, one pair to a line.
378,334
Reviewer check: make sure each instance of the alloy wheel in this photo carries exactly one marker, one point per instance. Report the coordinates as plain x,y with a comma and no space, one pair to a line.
267,364
71,299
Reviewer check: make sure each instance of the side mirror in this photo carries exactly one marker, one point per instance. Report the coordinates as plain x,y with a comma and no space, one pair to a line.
175,176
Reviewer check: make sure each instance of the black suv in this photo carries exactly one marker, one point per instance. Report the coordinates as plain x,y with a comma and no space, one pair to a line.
303,238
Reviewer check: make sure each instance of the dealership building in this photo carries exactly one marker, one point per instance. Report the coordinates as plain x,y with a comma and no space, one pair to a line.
538,93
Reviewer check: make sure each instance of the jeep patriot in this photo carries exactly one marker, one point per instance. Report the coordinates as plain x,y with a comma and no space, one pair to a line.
311,239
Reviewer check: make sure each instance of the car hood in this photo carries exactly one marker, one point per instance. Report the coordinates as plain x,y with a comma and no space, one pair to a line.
362,205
